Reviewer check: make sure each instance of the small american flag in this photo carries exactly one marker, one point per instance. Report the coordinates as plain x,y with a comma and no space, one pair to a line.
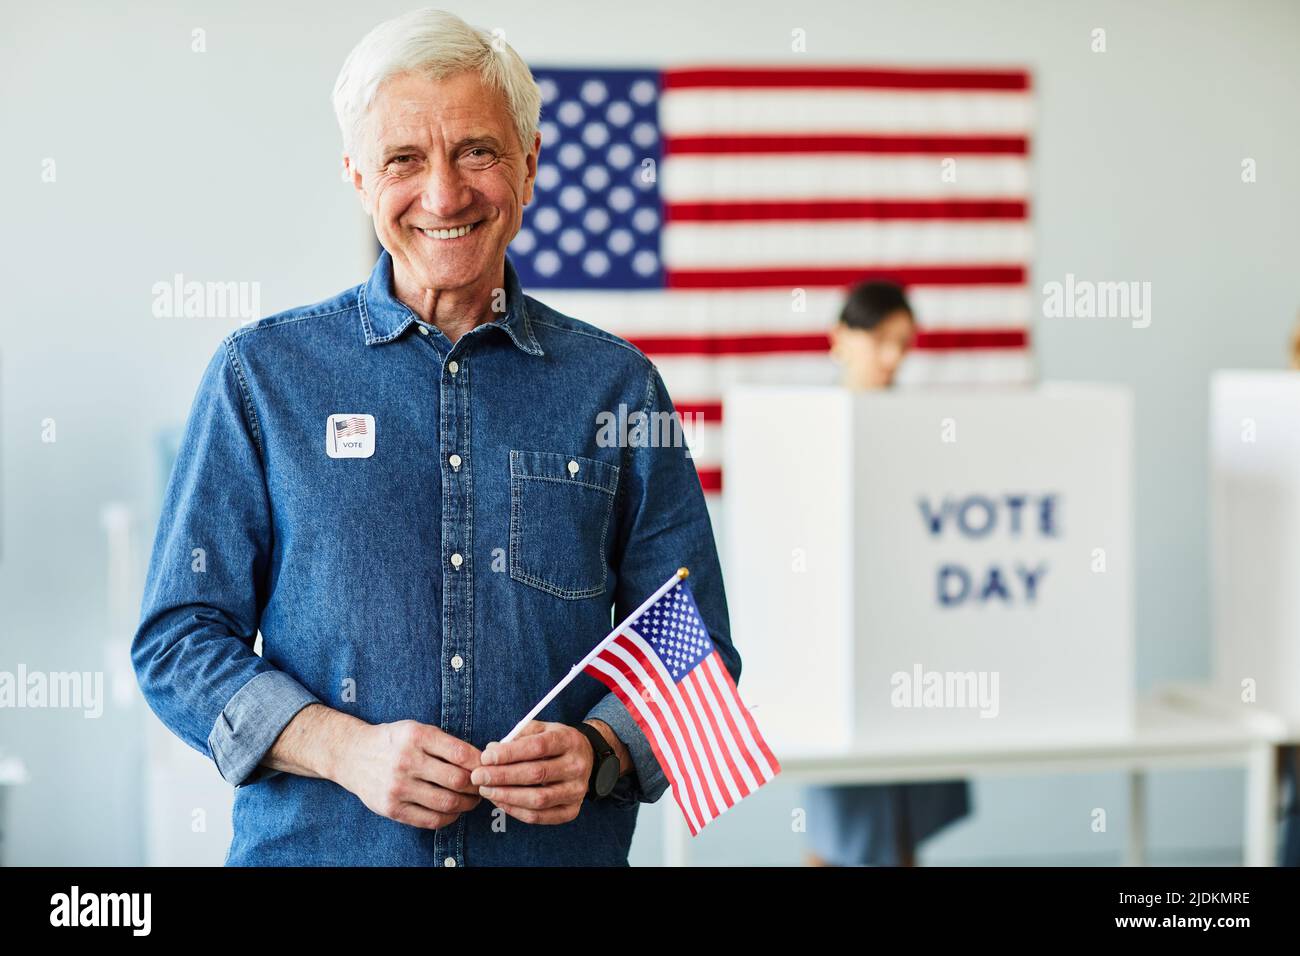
343,427
666,671
715,216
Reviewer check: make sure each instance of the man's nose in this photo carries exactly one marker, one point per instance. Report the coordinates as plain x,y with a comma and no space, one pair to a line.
445,192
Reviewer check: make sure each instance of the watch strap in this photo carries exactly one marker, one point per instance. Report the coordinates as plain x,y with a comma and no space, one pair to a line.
602,751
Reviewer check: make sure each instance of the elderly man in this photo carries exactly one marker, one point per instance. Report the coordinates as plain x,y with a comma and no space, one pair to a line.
405,490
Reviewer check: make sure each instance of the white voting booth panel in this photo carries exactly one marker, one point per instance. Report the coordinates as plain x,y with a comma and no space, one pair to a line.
931,567
1255,537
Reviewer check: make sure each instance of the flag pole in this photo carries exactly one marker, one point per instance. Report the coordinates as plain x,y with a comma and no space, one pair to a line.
576,669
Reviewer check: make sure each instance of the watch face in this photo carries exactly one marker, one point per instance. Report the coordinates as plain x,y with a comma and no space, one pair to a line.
607,775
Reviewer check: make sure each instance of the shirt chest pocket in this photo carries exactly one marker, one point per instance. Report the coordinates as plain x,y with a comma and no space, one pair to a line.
560,509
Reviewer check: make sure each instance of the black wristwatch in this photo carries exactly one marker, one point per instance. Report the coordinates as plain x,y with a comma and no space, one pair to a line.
605,768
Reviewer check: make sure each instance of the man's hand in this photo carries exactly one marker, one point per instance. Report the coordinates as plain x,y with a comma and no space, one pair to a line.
410,772
541,776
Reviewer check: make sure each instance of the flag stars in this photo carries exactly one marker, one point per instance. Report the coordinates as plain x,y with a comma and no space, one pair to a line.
599,129
673,627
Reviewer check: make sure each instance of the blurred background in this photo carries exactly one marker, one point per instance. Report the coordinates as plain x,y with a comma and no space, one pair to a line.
135,157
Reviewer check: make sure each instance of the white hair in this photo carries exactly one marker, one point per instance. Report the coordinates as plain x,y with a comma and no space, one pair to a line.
435,44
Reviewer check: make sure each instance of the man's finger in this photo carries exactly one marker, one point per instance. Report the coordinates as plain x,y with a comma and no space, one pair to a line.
443,774
536,798
439,799
528,773
412,814
546,742
438,743
557,814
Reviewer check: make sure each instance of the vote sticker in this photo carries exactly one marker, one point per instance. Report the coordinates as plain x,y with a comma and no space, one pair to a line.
350,436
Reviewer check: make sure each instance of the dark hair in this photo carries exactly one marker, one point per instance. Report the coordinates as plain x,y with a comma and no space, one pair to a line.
869,303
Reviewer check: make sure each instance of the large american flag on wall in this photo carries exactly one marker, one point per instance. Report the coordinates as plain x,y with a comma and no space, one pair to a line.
716,216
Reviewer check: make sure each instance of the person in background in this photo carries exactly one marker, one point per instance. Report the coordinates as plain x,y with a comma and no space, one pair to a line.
878,824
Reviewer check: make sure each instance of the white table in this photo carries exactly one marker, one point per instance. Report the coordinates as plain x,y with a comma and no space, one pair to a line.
1177,727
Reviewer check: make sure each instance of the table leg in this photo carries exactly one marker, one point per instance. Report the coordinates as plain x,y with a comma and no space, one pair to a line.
677,838
1261,804
1135,851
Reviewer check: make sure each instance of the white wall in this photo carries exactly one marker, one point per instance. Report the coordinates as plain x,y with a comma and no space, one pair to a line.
223,166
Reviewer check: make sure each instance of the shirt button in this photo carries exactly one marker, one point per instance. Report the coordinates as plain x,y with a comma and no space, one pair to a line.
423,330
452,366
573,467
455,461
457,662
457,560
450,861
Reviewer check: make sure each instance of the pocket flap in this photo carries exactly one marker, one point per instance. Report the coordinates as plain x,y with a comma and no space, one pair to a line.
557,466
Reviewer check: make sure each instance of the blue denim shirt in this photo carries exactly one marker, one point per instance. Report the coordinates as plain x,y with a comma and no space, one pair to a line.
411,583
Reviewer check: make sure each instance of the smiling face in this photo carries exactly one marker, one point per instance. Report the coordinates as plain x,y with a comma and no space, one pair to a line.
440,170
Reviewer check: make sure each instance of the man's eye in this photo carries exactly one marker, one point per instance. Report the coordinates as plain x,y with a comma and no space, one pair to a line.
402,160
480,156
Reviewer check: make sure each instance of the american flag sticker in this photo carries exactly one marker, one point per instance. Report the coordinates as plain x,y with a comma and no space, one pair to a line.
350,436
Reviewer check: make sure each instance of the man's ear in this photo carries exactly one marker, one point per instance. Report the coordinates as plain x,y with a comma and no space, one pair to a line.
530,163
353,175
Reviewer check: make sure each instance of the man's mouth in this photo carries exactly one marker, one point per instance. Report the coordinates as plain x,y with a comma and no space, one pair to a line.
454,233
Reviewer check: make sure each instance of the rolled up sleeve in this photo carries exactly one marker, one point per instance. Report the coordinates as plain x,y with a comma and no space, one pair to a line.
664,525
207,585
251,720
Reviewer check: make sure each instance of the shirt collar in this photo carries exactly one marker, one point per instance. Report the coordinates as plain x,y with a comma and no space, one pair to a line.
384,317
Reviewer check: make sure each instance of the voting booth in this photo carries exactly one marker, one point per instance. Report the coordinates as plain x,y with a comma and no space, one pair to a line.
1255,538
933,567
